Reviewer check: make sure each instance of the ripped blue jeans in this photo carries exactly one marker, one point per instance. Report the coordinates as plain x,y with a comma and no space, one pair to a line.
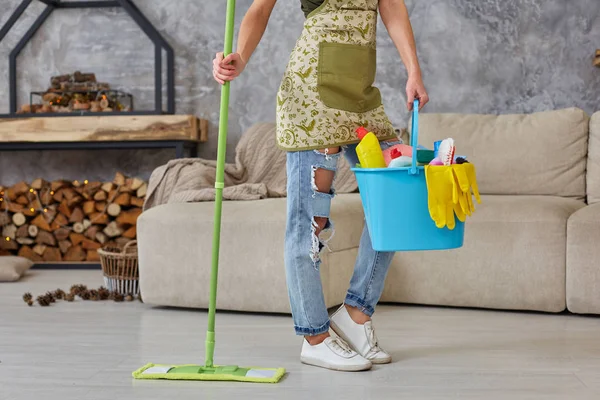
303,247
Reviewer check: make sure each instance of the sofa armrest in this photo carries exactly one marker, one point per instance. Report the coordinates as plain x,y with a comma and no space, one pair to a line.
583,261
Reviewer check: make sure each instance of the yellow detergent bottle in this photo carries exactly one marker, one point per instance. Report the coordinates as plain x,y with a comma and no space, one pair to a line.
368,150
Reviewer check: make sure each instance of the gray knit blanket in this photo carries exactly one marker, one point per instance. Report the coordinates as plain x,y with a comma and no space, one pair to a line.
259,172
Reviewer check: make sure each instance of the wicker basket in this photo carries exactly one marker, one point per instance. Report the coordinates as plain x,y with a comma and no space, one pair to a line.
120,268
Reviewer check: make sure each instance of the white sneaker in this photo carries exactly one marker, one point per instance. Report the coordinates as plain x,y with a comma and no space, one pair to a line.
361,337
333,354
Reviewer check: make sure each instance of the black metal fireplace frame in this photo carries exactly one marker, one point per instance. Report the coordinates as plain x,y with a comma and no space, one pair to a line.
133,11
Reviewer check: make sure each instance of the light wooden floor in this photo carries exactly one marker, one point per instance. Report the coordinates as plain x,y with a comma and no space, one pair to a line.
77,351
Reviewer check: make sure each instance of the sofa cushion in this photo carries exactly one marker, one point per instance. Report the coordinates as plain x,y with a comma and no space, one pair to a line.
175,242
583,267
513,258
536,154
593,165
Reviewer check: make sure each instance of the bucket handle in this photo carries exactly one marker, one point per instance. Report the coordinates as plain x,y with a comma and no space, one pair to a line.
414,137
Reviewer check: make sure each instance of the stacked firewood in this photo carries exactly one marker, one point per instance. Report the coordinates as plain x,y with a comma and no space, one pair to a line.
69,221
76,92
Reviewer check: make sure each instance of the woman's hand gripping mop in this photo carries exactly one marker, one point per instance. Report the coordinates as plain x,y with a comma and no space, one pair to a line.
209,371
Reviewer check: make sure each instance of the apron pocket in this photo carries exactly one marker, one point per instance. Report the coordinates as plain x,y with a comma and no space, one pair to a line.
346,76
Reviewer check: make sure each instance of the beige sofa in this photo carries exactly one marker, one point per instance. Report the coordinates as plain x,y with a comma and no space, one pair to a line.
531,245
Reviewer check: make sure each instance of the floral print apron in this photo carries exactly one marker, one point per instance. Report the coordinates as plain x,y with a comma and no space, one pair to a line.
327,90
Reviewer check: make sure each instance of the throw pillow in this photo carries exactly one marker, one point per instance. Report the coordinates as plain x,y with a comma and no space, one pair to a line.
13,267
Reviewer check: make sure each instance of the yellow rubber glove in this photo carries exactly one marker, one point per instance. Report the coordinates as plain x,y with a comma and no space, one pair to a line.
463,186
467,181
441,193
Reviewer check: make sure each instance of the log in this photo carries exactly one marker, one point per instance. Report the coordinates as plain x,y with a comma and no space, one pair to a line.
90,245
76,238
50,212
64,246
84,77
46,196
136,183
55,185
59,222
75,253
27,252
89,207
29,212
78,227
69,193
113,230
40,222
107,187
119,179
92,255
15,207
141,192
112,195
86,223
99,218
123,199
101,206
5,253
91,232
19,219
9,231
20,188
8,244
62,233
74,201
39,183
33,230
137,202
129,217
39,249
113,210
23,200
4,219
76,215
100,195
130,233
100,128
64,209
10,194
101,237
23,231
58,196
44,237
597,62
35,204
52,254
25,241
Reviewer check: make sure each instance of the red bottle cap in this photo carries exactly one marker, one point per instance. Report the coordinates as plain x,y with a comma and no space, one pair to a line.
395,153
361,132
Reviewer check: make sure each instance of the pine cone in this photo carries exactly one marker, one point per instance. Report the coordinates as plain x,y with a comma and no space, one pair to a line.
42,301
84,294
69,297
27,297
59,294
129,297
76,289
119,297
50,297
104,293
29,302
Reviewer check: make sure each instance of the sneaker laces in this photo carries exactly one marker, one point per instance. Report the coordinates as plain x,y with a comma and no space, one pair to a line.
341,346
372,339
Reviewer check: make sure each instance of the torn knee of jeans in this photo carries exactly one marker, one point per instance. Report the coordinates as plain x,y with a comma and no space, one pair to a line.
313,180
318,242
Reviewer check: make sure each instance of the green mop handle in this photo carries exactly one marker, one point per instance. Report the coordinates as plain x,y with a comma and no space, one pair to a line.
219,185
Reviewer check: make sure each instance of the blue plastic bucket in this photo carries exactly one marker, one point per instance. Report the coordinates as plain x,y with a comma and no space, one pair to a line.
395,205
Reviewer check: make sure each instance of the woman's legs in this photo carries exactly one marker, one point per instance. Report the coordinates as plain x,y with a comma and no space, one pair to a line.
309,190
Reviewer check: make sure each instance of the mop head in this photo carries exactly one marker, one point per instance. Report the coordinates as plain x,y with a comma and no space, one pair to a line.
217,373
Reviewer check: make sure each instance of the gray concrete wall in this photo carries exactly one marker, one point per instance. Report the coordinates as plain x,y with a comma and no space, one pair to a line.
484,56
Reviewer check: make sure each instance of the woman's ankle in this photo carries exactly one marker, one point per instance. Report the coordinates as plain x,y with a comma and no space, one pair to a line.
317,339
357,315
